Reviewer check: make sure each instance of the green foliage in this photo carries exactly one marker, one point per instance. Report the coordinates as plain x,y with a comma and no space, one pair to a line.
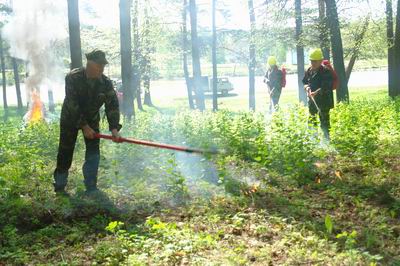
349,238
374,45
284,144
366,129
26,152
328,224
251,200
114,227
159,242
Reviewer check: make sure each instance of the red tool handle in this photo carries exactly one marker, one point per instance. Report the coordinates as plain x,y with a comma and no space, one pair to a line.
154,144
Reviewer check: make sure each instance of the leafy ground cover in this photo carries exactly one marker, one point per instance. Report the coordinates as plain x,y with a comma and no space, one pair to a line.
277,195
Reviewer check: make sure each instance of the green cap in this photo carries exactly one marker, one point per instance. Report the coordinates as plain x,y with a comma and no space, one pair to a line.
97,56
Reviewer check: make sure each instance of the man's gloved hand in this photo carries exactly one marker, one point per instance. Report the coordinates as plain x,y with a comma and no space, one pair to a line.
88,132
116,136
312,94
308,90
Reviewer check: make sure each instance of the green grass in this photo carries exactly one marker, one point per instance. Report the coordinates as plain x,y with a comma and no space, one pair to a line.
278,195
288,97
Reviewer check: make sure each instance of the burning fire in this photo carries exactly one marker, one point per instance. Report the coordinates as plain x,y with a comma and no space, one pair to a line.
36,112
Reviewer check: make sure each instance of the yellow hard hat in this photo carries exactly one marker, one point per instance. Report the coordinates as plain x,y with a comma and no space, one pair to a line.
272,61
316,55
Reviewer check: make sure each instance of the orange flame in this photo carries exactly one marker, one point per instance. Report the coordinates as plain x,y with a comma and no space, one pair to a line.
36,113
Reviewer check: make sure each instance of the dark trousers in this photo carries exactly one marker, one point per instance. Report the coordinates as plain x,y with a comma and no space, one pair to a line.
64,159
274,95
324,118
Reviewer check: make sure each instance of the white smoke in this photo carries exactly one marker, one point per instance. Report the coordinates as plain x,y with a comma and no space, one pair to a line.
33,30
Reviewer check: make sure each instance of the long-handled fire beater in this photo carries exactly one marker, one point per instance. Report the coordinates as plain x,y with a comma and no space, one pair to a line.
313,100
158,145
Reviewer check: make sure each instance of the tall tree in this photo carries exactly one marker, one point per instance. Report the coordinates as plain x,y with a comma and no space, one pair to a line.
3,73
137,57
147,50
252,57
390,41
74,34
51,100
300,52
185,49
198,89
17,84
342,93
359,38
6,10
214,57
323,29
126,58
396,68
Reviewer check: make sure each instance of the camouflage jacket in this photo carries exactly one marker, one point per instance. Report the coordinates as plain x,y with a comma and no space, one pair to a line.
83,99
321,80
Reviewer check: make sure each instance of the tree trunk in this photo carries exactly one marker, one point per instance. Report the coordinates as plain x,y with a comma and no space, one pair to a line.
198,89
17,84
300,52
390,41
126,59
252,57
357,48
137,55
74,34
214,57
396,68
148,48
3,73
51,101
27,76
324,32
342,93
185,45
147,95
139,96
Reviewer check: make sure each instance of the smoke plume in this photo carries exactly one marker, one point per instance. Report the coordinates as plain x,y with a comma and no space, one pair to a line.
34,28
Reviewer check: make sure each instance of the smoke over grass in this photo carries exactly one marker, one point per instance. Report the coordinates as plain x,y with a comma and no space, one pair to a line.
152,175
157,176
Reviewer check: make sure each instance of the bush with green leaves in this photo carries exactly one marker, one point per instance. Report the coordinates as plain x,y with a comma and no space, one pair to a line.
26,155
280,152
367,129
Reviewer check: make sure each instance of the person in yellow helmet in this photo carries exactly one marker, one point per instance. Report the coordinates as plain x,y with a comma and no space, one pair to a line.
273,79
318,82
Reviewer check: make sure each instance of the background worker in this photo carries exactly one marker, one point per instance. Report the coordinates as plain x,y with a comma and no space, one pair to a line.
318,82
273,79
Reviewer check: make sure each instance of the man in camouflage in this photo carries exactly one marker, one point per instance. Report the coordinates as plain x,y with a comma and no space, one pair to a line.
86,90
318,82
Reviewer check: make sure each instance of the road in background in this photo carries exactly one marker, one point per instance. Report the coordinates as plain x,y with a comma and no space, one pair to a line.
169,90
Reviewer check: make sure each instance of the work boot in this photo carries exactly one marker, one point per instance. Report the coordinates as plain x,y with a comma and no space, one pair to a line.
91,190
95,194
60,181
327,137
90,184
